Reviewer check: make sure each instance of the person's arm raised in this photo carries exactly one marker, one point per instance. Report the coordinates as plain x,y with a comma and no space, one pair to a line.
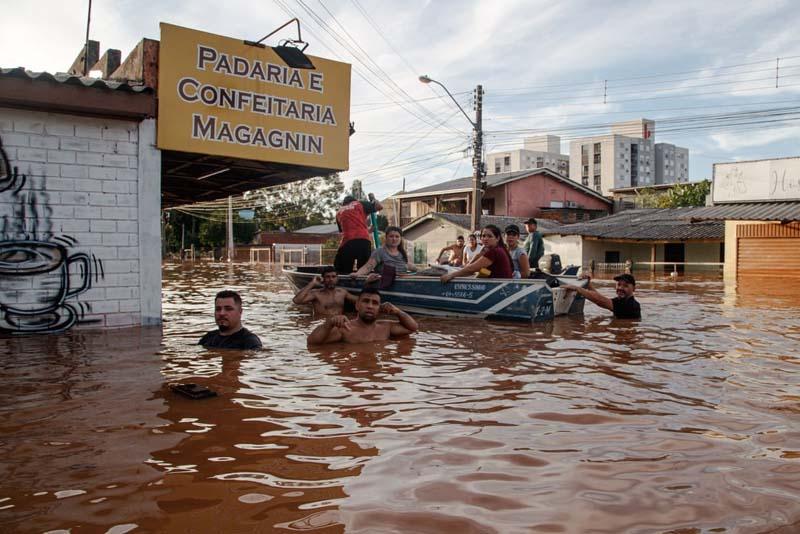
305,296
590,293
407,324
330,331
472,268
349,297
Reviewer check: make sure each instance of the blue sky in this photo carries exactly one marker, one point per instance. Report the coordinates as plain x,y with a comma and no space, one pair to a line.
543,66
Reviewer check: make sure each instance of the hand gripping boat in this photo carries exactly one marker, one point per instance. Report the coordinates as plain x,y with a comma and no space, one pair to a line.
489,298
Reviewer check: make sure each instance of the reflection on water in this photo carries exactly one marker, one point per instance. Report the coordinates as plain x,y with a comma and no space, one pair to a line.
684,422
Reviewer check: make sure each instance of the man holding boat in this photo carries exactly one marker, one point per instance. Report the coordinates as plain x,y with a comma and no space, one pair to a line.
624,305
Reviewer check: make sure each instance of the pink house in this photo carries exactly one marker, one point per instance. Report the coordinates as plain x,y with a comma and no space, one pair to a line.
540,193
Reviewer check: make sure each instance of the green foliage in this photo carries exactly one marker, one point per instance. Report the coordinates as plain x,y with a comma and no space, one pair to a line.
299,204
212,233
679,196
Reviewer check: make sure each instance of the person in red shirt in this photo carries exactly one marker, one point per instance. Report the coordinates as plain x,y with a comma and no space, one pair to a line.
355,245
495,257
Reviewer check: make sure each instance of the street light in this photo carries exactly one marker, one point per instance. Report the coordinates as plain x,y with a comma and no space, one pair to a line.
477,148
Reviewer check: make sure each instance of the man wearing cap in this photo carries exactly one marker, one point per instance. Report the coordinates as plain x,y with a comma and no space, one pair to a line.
352,221
624,305
533,244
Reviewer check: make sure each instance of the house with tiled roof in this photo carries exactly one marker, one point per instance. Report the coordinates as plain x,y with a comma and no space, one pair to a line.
541,193
649,238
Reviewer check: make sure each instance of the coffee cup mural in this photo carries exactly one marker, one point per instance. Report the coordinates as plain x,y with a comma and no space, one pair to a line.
39,273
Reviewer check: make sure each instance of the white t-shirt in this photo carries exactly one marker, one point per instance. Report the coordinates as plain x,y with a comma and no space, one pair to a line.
471,253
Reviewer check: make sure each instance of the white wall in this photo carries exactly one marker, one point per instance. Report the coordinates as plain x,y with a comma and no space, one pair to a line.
90,212
568,247
435,235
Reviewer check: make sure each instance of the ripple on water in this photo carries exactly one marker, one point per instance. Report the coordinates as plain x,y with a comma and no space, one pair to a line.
685,421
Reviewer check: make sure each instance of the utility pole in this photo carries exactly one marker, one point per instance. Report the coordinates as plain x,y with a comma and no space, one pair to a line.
477,147
230,229
477,160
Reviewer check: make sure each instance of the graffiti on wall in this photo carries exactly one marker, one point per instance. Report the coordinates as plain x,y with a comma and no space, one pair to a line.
39,275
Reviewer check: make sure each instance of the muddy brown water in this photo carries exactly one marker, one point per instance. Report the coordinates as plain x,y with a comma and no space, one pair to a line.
685,422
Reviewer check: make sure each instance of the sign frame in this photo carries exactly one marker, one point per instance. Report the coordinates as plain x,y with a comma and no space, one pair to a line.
219,96
752,181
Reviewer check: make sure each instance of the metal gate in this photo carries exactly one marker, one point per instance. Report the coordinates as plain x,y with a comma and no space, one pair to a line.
768,249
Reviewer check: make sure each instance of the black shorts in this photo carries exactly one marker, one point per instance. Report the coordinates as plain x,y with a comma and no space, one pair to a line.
355,250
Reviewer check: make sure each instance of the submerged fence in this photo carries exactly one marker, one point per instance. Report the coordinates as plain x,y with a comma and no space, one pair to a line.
628,266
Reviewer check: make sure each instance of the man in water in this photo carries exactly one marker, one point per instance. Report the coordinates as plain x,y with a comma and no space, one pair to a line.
624,305
533,244
365,328
456,256
228,316
356,246
327,299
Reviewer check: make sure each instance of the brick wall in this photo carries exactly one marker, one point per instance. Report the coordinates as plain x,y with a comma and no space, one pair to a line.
71,213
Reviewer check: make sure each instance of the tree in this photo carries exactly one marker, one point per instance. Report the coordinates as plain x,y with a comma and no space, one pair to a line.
678,196
213,231
299,204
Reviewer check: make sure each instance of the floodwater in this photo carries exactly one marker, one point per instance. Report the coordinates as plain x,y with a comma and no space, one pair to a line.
685,422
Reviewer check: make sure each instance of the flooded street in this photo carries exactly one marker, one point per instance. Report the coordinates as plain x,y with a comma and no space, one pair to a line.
685,422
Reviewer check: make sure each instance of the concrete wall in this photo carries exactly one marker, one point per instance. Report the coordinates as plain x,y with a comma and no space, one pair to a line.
80,208
695,252
435,235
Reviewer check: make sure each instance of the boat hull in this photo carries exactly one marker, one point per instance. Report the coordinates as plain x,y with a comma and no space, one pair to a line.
489,298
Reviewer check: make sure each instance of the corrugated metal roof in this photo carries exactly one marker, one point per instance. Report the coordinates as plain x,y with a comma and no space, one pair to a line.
464,221
70,79
319,229
493,180
761,211
646,225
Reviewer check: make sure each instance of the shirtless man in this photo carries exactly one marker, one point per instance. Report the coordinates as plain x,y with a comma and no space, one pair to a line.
328,299
456,252
365,328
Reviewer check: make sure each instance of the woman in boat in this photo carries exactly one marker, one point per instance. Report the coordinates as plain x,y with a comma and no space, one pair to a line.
519,259
391,253
494,257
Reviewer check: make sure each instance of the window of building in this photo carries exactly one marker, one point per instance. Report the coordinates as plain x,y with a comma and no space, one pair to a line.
597,182
585,180
496,166
507,161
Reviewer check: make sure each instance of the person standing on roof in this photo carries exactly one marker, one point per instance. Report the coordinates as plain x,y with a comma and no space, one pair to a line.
533,244
355,246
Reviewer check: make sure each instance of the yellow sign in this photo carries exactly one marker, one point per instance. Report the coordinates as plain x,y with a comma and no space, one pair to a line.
219,96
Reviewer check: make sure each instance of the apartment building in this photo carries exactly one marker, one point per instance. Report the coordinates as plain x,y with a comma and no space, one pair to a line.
538,152
627,157
672,164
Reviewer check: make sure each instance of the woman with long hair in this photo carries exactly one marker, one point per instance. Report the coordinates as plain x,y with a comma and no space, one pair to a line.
392,253
494,257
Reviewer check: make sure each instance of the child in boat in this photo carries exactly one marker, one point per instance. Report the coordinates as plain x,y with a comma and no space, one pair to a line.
494,257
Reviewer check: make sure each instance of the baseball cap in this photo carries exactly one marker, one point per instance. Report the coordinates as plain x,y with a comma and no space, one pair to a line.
512,228
625,278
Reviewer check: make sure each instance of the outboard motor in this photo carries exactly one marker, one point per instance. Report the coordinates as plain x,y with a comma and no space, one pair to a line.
550,264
